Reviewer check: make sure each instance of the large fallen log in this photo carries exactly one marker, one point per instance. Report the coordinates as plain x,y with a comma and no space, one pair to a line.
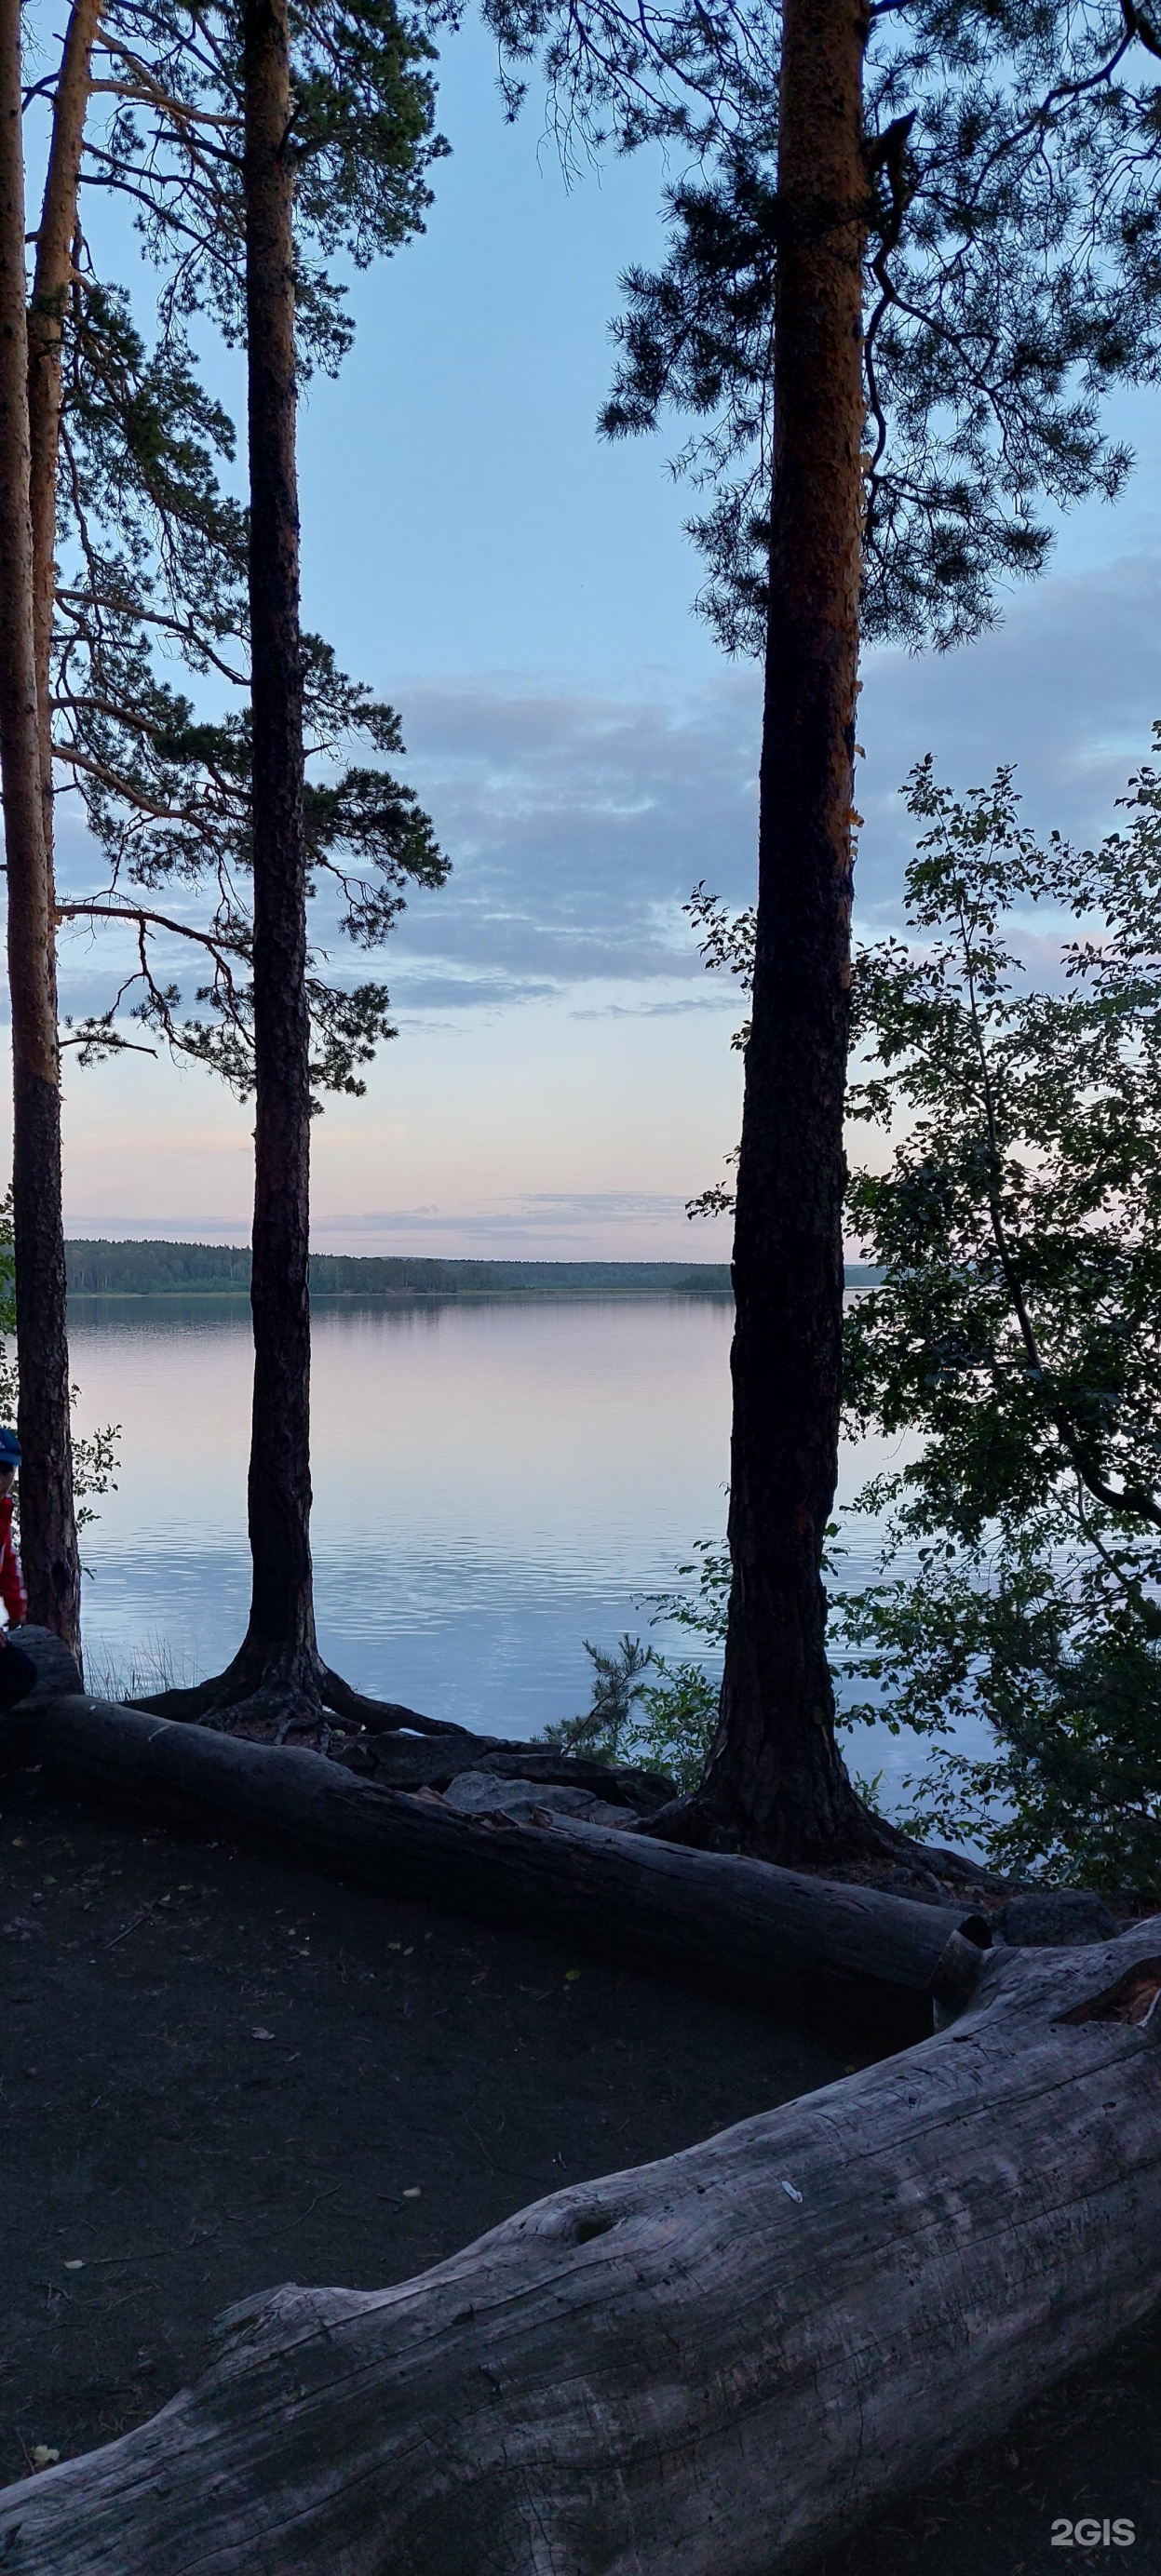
772,1930
393,1745
708,2367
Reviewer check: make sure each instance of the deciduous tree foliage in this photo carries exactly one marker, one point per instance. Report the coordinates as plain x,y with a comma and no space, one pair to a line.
1019,1224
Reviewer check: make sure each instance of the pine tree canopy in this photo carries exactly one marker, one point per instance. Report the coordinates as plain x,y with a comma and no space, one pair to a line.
153,550
1013,273
362,140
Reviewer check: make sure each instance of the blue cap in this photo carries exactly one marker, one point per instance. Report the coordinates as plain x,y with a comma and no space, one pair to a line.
9,1450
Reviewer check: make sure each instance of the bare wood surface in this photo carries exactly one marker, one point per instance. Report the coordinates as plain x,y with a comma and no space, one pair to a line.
711,2366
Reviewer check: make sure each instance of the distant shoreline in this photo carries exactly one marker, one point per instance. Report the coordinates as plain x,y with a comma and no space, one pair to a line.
99,1269
394,1296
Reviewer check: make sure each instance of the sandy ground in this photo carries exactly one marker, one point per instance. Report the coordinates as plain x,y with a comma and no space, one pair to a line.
219,2071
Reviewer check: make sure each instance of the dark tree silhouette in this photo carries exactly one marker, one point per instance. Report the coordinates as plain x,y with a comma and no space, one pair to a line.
913,248
119,469
48,1525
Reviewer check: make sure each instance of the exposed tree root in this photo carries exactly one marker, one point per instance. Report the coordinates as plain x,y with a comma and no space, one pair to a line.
291,1698
867,1851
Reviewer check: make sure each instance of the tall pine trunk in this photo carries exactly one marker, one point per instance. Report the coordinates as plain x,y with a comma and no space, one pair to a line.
52,281
48,1529
277,1683
775,1781
279,1650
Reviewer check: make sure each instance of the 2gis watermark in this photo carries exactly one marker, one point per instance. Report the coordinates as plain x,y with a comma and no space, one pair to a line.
1088,2533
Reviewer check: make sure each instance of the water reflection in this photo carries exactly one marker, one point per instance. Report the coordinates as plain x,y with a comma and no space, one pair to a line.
494,1482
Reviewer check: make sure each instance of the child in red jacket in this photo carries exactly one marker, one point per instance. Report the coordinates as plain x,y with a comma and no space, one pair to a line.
17,1670
12,1592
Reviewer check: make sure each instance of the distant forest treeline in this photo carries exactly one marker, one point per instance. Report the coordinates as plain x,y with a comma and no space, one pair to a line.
216,1269
163,1269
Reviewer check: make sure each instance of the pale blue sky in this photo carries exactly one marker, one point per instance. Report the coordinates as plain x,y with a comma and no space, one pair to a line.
563,1078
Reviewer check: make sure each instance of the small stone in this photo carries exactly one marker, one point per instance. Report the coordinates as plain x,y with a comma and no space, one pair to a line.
1056,1918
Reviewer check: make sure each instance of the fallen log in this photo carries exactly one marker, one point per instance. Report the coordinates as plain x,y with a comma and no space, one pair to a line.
393,1754
712,2366
771,1930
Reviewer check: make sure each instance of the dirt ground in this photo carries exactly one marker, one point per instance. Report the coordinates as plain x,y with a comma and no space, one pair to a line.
219,2071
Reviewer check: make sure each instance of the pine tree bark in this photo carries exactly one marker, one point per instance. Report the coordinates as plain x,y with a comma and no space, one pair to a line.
282,1613
277,1683
273,1682
775,1783
48,1528
52,280
277,1666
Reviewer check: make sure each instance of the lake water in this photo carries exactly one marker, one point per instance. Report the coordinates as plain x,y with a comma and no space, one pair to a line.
494,1482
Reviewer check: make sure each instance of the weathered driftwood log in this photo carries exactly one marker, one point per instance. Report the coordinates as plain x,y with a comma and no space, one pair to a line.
708,2367
770,1929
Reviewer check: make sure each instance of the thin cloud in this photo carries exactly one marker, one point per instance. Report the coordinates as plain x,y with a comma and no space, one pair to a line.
539,1224
577,825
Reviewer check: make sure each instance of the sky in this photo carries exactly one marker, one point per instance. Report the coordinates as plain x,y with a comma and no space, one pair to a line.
562,1080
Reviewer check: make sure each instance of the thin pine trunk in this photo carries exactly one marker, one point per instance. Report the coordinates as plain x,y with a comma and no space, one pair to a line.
281,1639
52,283
48,1529
775,1782
277,1682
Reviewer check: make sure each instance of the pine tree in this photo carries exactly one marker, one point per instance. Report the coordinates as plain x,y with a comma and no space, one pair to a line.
48,1528
915,245
334,131
122,474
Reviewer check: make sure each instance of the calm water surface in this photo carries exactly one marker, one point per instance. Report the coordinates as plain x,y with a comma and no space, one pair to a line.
494,1483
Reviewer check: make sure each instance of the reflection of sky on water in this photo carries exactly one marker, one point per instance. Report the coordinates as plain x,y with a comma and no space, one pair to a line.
493,1484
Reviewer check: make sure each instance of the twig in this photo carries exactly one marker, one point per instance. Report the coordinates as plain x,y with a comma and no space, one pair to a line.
517,2173
126,1928
313,2204
151,2254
